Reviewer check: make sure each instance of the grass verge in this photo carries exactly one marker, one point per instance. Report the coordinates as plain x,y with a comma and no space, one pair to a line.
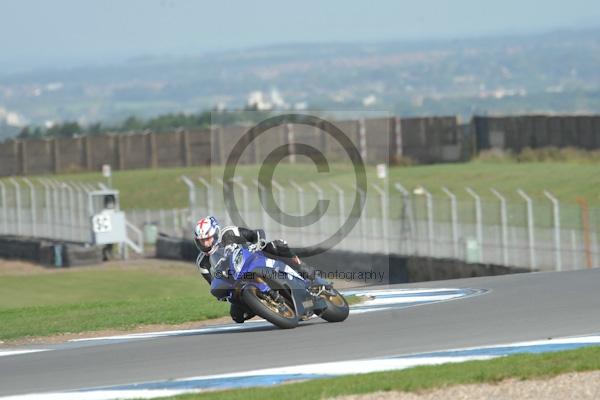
70,301
42,302
162,188
521,366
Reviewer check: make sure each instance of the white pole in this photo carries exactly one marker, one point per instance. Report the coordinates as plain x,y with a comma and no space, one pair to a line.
556,217
504,224
57,210
209,193
264,216
363,217
300,197
478,219
48,214
4,208
191,195
429,203
384,215
72,213
33,209
341,205
18,204
530,228
244,188
281,193
60,208
454,216
319,191
407,212
300,192
574,252
80,212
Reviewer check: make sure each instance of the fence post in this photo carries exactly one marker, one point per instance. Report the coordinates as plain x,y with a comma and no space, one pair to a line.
585,224
406,215
478,219
341,205
4,208
319,191
504,224
300,205
48,215
191,197
363,216
209,193
281,193
58,212
80,202
384,215
574,249
32,199
530,228
18,204
72,213
454,216
245,196
264,216
556,217
421,191
191,192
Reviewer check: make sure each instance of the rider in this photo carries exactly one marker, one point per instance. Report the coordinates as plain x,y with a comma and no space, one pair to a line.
210,239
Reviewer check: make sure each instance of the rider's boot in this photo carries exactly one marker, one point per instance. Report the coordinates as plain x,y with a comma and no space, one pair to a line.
239,313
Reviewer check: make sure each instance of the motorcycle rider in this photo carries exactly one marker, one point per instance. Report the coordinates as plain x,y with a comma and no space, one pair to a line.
210,239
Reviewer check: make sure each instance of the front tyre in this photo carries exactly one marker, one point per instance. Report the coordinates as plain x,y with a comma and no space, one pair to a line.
279,313
337,307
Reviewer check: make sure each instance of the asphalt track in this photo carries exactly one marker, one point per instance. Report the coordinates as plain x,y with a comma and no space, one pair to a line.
515,308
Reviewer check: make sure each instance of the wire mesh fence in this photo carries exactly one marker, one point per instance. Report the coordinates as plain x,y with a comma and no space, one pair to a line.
534,234
529,233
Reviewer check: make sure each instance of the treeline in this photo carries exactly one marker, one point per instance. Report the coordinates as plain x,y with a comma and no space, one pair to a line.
159,124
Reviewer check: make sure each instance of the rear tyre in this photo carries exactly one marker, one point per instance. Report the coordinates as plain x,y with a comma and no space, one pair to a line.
279,313
337,307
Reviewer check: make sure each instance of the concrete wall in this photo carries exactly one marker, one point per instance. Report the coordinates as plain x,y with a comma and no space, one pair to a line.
379,140
393,268
535,131
43,252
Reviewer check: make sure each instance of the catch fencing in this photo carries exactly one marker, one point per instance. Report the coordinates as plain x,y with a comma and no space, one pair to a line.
521,229
513,229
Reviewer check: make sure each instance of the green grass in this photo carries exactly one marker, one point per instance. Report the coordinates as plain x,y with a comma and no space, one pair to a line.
162,188
522,367
568,180
79,300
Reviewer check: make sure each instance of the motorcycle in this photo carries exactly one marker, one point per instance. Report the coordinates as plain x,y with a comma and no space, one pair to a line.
273,290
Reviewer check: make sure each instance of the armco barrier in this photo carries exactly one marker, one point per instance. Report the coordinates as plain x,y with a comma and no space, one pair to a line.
397,269
49,253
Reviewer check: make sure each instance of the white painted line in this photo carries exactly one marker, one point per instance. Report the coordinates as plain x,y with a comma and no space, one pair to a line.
101,395
272,376
4,353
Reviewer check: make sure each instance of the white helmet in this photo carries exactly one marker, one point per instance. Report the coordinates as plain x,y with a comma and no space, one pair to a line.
206,234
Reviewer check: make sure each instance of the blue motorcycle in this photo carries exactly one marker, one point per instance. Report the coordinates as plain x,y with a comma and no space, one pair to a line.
273,290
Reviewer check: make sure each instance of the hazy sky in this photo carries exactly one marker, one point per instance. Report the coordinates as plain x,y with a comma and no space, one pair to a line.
55,33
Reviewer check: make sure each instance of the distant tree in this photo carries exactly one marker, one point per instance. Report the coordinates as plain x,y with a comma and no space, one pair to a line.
65,130
24,133
94,128
132,124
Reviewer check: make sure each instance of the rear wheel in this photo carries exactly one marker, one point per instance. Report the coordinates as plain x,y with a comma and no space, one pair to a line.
337,307
278,312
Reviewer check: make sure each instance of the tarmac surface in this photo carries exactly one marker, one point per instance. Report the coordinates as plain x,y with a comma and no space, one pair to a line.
515,308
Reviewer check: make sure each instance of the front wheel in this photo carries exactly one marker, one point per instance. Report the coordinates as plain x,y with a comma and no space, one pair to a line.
337,307
280,313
